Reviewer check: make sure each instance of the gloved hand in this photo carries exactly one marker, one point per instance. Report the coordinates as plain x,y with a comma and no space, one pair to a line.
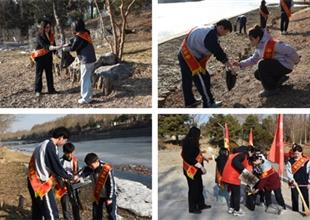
245,171
55,47
203,170
198,165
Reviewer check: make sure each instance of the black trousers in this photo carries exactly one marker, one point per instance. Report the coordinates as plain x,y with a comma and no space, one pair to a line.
201,81
44,63
69,210
278,195
234,196
242,27
295,196
195,193
284,22
270,72
263,21
45,207
98,209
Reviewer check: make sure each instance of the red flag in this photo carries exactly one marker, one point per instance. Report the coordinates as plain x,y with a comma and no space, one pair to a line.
226,137
276,153
251,137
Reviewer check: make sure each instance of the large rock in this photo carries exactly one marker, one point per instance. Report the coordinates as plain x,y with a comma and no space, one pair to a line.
106,59
106,77
134,197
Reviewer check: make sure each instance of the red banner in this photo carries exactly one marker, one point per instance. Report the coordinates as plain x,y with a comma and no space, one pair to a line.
251,138
226,137
276,153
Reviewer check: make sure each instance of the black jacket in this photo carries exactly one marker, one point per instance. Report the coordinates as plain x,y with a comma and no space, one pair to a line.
212,44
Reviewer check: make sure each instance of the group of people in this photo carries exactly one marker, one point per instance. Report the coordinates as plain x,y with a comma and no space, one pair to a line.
245,163
275,59
43,56
51,176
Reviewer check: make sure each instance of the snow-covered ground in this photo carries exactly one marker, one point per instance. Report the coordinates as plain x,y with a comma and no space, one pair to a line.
172,194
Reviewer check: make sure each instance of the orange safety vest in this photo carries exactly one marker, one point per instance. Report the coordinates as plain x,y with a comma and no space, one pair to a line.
269,49
39,187
102,178
41,52
285,8
195,66
267,173
85,36
61,191
298,164
230,174
192,170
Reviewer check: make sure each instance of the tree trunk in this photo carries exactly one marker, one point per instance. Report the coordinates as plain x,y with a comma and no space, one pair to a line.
92,9
114,26
59,26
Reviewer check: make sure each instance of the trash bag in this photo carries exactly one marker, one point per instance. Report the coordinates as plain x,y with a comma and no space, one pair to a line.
250,201
231,79
66,59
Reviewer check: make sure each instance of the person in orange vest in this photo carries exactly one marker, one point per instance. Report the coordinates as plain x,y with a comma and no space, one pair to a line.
275,60
44,167
102,177
193,169
269,180
236,165
263,14
70,164
298,173
196,49
286,12
43,57
83,45
220,164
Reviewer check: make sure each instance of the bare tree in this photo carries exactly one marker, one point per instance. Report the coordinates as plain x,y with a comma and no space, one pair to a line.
58,19
118,24
6,122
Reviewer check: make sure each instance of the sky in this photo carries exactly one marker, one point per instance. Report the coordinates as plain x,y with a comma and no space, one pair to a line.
25,122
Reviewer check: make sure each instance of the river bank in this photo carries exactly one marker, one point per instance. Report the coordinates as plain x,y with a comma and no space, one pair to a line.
245,94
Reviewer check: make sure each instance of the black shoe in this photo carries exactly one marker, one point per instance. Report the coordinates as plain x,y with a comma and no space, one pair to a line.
204,206
195,211
282,80
53,92
194,104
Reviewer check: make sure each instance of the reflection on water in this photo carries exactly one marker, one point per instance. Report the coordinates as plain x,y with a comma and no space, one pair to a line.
176,18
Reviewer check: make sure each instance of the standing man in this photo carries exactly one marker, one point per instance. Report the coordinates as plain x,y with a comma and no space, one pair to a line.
198,46
236,165
286,13
242,23
298,170
263,13
44,167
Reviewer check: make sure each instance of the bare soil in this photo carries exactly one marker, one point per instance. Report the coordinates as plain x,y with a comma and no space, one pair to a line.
293,94
17,76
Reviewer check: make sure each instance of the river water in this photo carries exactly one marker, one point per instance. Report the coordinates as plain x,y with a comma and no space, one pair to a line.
117,151
174,19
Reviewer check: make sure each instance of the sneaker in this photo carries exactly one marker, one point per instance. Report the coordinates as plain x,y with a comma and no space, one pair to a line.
53,92
38,94
268,93
282,80
282,210
82,101
216,104
238,213
230,211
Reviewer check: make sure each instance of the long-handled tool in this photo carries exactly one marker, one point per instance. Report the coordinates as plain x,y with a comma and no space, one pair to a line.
306,208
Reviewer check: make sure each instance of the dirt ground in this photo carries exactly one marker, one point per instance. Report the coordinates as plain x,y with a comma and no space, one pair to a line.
13,187
17,77
294,93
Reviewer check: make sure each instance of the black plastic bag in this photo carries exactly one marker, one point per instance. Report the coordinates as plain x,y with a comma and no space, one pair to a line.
66,59
231,79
